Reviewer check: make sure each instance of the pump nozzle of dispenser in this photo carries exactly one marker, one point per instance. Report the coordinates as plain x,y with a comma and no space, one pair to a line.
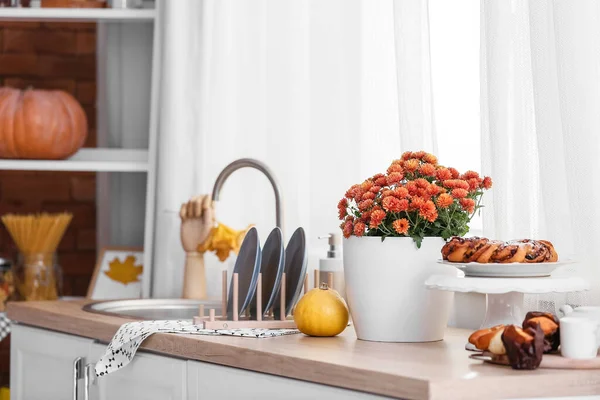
335,243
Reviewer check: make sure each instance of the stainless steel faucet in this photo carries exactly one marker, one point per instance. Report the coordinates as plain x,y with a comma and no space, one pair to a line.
259,165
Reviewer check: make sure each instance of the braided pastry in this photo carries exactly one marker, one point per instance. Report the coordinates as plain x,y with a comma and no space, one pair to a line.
482,250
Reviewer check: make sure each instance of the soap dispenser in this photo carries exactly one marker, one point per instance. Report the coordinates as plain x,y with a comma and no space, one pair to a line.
333,263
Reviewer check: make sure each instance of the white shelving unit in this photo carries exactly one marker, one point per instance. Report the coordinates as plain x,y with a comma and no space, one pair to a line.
98,160
76,14
108,159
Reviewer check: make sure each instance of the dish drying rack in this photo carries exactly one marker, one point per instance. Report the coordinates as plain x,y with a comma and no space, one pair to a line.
268,321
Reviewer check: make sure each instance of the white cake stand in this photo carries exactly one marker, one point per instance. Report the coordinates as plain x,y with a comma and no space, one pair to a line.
504,296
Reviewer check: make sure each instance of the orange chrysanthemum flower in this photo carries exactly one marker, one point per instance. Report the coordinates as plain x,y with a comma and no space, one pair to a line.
470,174
474,183
358,194
427,170
350,192
456,183
401,226
349,218
381,181
416,202
419,154
401,192
391,204
454,172
403,205
365,217
411,165
468,205
443,174
375,189
444,200
394,178
422,183
377,216
449,183
433,189
366,185
387,192
342,208
348,228
368,195
487,182
428,211
459,193
395,168
365,204
412,188
430,158
433,217
424,194
355,192
407,155
359,229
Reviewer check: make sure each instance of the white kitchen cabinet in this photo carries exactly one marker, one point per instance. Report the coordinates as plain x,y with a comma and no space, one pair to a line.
210,381
42,368
147,377
41,363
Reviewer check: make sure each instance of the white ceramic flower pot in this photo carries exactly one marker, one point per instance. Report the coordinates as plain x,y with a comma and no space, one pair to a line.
385,287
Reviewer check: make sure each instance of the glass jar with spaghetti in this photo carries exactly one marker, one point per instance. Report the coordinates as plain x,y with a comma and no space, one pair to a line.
36,273
37,276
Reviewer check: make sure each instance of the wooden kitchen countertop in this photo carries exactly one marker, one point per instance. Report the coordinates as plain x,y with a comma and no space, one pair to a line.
439,370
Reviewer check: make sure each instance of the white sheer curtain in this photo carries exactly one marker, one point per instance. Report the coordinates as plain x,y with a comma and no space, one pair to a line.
326,92
540,122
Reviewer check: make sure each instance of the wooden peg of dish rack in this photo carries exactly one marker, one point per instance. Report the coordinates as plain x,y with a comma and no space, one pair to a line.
270,321
212,321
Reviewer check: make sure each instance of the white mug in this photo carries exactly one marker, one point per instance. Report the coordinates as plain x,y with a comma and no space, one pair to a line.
579,337
589,312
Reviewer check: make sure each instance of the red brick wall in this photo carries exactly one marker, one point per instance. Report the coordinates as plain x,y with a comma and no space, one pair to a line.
54,56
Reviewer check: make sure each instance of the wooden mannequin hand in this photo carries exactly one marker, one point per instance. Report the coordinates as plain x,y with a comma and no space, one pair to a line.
197,220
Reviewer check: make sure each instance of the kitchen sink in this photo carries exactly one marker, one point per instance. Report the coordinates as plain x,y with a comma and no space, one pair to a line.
153,309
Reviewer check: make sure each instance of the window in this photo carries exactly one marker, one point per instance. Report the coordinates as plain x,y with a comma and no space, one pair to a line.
455,83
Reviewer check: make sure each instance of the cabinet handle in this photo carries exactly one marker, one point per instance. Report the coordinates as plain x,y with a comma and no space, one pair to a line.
77,372
86,381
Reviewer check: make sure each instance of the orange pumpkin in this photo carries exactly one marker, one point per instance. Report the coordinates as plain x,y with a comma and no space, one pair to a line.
40,124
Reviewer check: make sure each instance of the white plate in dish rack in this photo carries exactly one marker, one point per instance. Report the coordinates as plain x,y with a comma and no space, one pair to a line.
511,270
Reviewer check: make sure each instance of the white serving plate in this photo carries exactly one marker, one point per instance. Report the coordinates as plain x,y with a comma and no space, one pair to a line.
510,270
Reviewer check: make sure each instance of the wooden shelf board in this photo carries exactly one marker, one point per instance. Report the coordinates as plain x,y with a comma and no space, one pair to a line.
101,160
76,14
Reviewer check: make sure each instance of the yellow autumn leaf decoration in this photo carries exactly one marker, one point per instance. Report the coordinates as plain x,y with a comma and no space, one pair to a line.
223,240
124,272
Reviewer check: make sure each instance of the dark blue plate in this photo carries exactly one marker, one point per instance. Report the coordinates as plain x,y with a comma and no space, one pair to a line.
295,270
271,268
247,266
